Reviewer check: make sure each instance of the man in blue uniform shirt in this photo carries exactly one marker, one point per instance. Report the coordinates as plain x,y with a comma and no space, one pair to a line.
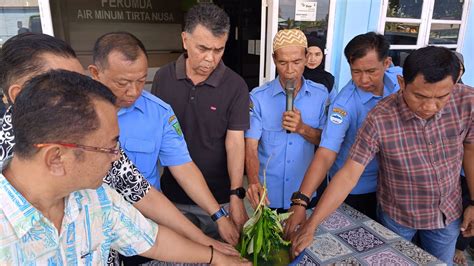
149,130
288,154
372,80
55,210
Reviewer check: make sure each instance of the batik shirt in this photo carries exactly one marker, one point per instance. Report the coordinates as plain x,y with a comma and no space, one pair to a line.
123,176
94,222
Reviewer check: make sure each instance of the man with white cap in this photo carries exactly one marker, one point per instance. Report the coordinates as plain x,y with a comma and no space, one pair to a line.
284,139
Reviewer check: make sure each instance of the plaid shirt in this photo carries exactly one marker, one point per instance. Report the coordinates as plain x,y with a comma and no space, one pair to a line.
420,160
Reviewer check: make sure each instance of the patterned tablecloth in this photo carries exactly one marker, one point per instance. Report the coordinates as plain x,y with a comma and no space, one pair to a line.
349,237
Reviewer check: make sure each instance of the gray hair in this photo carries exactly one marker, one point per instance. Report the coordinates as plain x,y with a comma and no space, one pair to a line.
210,16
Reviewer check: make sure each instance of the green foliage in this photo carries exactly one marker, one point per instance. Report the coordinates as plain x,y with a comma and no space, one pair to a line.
262,233
261,236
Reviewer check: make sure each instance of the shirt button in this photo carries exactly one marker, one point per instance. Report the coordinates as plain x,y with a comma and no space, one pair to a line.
288,161
192,97
290,143
430,143
193,88
287,180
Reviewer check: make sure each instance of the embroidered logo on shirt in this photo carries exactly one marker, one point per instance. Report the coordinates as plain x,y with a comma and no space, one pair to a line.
339,111
251,106
173,117
213,108
336,118
177,128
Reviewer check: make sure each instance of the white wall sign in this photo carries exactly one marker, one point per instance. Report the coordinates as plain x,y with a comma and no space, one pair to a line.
305,11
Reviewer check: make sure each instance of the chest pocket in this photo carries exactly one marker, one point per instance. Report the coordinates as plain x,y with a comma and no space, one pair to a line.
452,148
142,154
273,136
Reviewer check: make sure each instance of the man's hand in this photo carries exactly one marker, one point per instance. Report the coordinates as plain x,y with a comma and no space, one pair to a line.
295,221
301,239
238,214
228,231
223,248
292,121
254,192
221,259
467,226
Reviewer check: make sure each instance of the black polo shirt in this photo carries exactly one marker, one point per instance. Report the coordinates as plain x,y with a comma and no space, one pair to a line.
205,111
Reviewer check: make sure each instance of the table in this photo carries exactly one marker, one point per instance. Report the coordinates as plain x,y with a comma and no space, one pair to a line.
349,237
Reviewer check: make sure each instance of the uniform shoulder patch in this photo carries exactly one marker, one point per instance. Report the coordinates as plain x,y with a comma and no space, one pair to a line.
251,105
173,121
336,118
173,117
339,111
177,128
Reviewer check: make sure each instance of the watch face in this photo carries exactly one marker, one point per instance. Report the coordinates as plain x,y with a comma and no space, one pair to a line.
241,192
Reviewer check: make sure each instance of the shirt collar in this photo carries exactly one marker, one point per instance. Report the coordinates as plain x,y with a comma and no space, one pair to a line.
139,104
389,86
22,215
277,88
213,80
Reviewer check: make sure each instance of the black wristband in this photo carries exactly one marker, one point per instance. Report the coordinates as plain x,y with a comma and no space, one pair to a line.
298,204
212,254
298,195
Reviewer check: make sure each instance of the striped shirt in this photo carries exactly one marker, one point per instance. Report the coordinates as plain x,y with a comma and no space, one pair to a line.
419,159
94,222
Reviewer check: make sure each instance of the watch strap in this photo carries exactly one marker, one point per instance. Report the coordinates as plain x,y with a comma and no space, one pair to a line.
220,213
298,196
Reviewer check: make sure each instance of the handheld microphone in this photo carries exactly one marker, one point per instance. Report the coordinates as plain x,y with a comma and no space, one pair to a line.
290,90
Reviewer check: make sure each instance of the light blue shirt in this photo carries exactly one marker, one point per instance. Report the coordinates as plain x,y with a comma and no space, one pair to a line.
94,222
346,114
290,154
149,130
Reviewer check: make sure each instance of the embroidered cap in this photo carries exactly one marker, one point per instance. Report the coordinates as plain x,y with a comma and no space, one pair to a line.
285,38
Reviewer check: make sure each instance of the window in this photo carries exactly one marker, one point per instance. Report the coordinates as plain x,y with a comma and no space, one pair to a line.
18,16
412,24
316,26
158,24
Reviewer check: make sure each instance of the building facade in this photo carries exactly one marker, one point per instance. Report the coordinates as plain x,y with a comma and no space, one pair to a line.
409,24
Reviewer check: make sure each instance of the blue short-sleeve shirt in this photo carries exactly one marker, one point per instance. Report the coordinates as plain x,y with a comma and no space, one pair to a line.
149,130
346,114
290,154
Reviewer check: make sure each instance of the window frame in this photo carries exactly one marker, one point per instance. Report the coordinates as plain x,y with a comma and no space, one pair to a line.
425,22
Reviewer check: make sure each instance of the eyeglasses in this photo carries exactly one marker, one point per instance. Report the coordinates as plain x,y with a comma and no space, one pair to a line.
114,151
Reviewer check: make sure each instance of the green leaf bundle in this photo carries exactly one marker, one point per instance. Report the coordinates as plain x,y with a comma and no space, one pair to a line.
262,233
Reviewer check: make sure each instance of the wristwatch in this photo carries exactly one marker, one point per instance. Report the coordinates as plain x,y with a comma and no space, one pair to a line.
240,192
220,213
299,196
